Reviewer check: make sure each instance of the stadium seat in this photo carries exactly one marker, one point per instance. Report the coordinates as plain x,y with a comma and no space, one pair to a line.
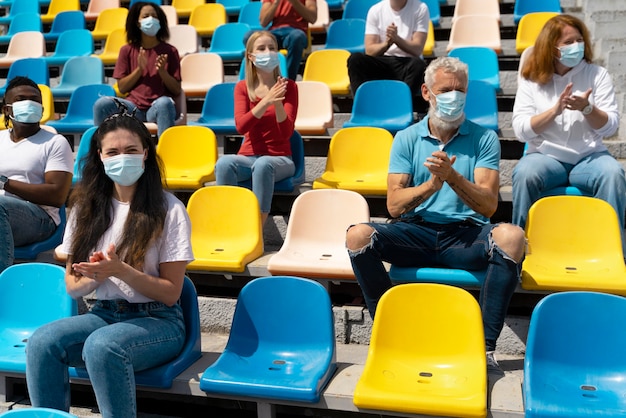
315,241
288,184
441,275
42,285
185,39
185,7
429,46
564,253
348,34
199,72
57,6
250,14
64,21
482,62
218,109
112,45
47,100
109,20
78,71
227,231
434,10
170,14
227,41
233,7
72,43
529,27
94,7
188,154
329,66
18,7
157,2
475,30
481,105
489,8
522,7
34,68
574,364
30,44
357,9
164,375
36,413
282,65
357,160
383,104
281,343
323,18
23,22
81,152
426,354
31,251
180,104
207,17
315,114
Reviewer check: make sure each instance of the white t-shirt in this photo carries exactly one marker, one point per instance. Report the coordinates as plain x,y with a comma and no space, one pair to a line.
414,17
174,244
31,158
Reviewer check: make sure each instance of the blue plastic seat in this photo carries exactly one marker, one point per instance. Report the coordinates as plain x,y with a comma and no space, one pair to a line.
575,364
482,63
78,71
15,8
81,152
348,34
357,9
383,104
434,9
37,413
233,7
132,2
71,43
218,109
163,376
290,183
523,7
30,251
67,20
227,41
34,68
33,294
481,105
282,65
281,343
441,275
79,116
249,14
22,22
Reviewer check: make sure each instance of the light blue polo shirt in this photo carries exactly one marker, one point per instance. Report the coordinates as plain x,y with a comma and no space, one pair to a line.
473,146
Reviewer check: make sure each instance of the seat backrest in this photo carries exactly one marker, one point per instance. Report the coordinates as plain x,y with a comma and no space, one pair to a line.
80,71
24,22
522,61
529,27
110,19
323,17
383,99
482,63
185,39
250,14
207,17
476,7
201,69
229,37
475,30
219,101
522,7
115,40
434,10
94,7
233,6
158,2
57,6
357,9
170,14
47,100
346,34
481,105
81,153
67,20
185,7
74,42
83,98
359,149
328,66
23,6
26,44
315,108
33,412
187,147
34,68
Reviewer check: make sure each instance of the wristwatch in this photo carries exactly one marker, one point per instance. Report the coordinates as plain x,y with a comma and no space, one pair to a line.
3,181
587,109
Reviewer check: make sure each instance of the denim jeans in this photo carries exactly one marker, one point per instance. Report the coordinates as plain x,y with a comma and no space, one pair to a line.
458,245
21,223
294,41
231,169
162,111
112,342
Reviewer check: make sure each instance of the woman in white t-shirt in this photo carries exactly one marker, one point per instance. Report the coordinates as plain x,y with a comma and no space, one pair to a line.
129,241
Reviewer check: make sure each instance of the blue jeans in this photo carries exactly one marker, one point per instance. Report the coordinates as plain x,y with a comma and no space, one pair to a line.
598,174
294,41
21,223
162,111
458,245
112,341
264,171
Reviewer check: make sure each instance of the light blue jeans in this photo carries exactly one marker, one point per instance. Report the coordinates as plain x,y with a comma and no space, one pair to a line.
112,341
264,171
162,111
21,223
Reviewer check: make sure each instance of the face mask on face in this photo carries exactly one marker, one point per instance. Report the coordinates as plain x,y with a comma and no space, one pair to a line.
26,111
450,105
266,62
150,25
124,169
572,54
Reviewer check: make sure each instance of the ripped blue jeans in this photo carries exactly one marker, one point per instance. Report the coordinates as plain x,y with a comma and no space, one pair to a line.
458,245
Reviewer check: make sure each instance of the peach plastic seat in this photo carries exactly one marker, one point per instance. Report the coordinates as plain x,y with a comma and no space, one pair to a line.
573,243
330,66
529,27
323,18
358,159
426,354
180,102
29,44
188,154
94,7
315,109
184,38
226,231
170,14
107,21
206,17
314,244
475,30
111,50
476,7
199,72
57,6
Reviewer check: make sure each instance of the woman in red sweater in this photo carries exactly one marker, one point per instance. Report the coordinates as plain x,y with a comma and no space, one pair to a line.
265,111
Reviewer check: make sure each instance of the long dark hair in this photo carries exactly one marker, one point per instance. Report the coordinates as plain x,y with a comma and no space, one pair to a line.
91,200
133,32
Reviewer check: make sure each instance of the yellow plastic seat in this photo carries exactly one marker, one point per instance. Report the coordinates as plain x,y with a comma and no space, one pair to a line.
475,30
429,46
330,66
188,154
357,160
185,7
315,114
180,103
94,7
29,44
426,354
199,72
111,50
57,6
314,244
529,27
107,21
206,17
574,243
226,231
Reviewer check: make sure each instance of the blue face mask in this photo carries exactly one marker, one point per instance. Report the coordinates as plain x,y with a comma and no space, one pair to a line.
266,62
450,105
26,111
124,169
150,25
572,55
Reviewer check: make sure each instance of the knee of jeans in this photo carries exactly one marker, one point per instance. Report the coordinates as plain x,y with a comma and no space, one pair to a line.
511,242
263,166
359,238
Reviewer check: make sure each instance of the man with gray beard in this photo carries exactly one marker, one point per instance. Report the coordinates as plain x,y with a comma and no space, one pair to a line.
442,187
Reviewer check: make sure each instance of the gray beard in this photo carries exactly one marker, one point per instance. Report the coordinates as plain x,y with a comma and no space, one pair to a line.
443,125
